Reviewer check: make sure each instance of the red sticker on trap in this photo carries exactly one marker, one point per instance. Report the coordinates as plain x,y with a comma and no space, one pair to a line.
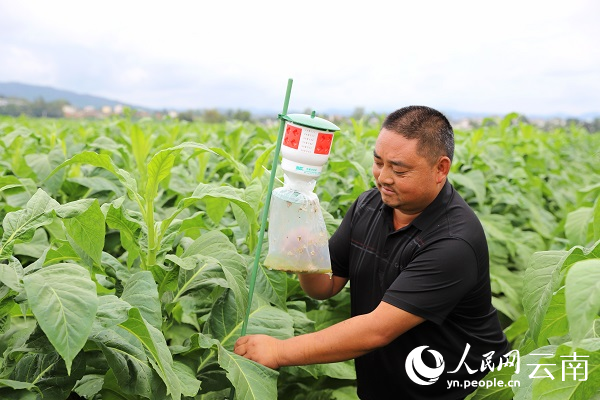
292,136
323,144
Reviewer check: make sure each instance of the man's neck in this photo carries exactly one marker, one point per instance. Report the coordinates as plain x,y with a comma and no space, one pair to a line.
401,219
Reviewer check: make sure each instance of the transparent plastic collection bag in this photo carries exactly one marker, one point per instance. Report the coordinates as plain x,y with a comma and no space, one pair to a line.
298,238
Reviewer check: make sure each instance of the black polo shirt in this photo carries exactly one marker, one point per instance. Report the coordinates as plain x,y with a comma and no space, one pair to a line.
437,267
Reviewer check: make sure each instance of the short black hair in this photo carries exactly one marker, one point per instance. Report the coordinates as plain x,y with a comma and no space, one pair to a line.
429,126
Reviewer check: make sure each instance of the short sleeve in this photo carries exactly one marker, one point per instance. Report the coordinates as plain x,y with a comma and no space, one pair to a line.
339,245
435,280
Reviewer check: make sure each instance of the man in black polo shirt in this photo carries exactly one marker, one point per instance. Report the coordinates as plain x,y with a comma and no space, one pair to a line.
422,322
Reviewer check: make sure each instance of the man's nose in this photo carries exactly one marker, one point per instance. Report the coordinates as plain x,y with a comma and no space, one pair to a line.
386,175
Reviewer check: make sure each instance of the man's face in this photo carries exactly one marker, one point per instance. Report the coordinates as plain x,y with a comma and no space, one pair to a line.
407,181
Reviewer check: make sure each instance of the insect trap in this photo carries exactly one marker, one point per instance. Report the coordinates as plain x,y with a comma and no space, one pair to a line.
298,239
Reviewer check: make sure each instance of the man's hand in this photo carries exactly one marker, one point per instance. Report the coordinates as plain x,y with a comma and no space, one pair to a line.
260,348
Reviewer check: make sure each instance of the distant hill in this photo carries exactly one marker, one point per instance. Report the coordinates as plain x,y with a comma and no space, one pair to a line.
32,92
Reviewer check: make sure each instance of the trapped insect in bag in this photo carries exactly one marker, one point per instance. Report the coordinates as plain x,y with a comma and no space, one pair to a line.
298,238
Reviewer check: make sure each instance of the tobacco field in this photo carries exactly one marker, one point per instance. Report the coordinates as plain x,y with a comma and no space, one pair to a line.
126,248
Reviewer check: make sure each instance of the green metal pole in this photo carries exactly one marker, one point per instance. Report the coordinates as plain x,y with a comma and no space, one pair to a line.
265,215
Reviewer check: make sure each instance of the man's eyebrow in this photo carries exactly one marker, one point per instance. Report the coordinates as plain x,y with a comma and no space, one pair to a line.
393,162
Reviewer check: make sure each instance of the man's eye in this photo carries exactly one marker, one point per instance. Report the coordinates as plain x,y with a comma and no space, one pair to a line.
399,173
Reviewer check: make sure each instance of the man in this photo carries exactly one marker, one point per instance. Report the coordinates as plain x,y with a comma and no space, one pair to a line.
422,322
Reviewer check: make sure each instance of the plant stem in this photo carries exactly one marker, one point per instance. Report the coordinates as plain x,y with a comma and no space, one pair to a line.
151,259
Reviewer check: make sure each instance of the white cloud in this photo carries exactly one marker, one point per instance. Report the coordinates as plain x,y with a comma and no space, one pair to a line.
20,63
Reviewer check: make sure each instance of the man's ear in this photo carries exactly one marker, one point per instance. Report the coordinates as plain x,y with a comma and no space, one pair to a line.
442,168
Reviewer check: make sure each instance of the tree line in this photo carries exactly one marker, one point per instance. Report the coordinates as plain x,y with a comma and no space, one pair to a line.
36,108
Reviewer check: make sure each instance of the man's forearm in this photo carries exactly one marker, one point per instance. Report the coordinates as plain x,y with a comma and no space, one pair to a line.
343,341
321,286
348,339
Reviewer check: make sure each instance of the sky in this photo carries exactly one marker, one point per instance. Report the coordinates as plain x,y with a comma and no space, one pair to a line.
490,57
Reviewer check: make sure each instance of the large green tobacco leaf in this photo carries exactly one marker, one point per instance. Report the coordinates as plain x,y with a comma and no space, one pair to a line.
87,231
99,183
117,217
251,380
577,225
272,285
566,385
595,228
18,394
102,161
259,165
194,223
64,302
324,317
250,227
89,385
141,292
19,132
9,182
116,270
338,370
113,390
127,358
11,274
196,271
21,225
48,373
63,252
190,385
302,324
111,311
225,324
555,321
159,167
140,145
221,195
216,245
18,198
216,199
542,279
18,385
158,353
83,220
232,161
541,220
35,247
43,164
504,282
345,393
579,253
582,294
17,164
